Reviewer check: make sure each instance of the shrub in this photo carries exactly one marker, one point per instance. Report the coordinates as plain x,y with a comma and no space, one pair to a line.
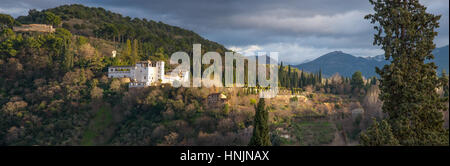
252,101
293,99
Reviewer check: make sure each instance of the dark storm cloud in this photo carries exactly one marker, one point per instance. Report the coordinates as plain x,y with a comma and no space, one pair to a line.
283,18
298,29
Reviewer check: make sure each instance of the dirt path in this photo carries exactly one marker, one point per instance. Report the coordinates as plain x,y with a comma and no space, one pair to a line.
338,140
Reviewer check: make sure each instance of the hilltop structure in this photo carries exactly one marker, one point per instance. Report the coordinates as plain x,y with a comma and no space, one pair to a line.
34,28
215,98
146,73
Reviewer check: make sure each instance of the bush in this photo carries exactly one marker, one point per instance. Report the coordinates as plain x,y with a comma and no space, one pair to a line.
294,99
81,40
380,134
252,101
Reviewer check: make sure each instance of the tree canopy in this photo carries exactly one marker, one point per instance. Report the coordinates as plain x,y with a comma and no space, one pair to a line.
405,31
261,135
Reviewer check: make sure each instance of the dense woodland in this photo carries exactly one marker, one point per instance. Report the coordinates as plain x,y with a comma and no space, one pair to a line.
54,89
154,39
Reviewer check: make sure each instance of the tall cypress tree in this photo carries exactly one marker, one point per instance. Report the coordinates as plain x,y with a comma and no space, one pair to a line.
281,75
408,85
261,126
135,55
320,76
127,53
302,79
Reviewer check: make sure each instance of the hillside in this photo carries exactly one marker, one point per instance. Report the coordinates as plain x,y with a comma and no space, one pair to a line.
441,58
101,23
342,63
54,89
346,64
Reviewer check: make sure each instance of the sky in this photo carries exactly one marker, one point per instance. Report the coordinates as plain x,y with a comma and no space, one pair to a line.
300,30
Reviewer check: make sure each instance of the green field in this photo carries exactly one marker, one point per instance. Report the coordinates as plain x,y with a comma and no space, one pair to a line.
97,125
312,133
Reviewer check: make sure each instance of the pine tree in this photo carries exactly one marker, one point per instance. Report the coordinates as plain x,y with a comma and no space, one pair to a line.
357,80
408,85
261,135
6,21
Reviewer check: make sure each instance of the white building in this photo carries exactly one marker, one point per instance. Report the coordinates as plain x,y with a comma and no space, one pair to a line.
145,73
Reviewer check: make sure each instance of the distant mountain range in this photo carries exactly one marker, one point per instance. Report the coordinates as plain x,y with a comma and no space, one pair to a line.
346,64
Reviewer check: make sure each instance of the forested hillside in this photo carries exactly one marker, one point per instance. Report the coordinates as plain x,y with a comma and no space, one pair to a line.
54,89
97,22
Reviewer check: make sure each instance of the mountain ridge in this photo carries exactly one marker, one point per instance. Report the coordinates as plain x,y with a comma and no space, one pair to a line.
346,64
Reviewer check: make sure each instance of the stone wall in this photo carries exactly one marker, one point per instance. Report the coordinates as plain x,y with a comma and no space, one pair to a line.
34,28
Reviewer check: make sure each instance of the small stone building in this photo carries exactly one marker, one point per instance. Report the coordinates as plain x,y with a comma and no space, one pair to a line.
34,28
217,98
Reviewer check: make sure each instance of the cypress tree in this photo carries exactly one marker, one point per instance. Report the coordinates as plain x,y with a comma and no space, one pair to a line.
408,84
288,80
127,52
261,126
289,70
135,56
281,75
295,80
302,79
320,76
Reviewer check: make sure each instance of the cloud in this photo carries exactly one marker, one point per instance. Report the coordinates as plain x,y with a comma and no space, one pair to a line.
246,50
298,29
293,53
13,11
348,23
